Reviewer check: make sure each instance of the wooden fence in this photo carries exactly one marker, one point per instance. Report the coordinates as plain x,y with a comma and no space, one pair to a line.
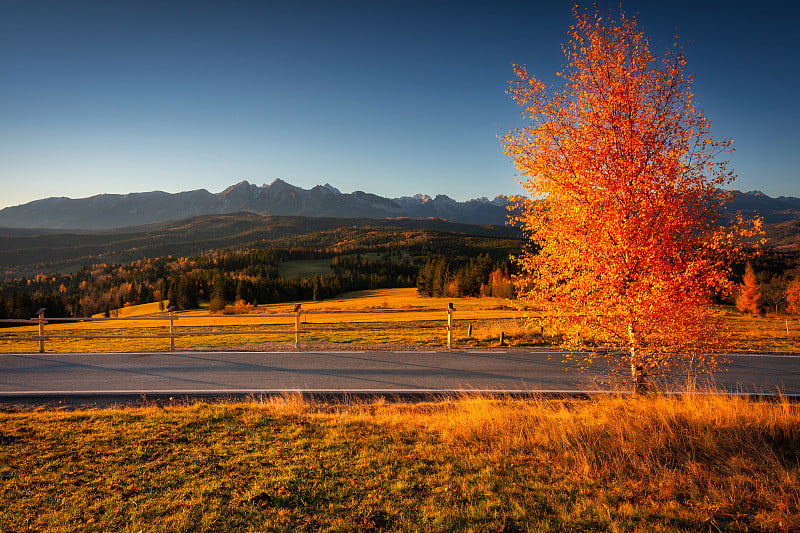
172,334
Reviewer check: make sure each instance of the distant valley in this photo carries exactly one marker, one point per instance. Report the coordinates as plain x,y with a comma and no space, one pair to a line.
245,256
26,252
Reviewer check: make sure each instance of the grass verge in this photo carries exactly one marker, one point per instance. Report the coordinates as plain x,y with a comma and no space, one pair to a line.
472,463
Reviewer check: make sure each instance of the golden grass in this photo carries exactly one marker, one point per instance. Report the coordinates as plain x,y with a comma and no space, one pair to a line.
770,333
489,317
740,455
136,310
471,463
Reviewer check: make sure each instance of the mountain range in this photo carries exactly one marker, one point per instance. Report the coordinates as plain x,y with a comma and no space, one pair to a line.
109,211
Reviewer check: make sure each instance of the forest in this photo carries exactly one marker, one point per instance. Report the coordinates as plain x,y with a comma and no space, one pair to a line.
359,259
223,277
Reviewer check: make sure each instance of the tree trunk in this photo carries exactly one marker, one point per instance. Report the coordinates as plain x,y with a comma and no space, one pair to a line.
637,371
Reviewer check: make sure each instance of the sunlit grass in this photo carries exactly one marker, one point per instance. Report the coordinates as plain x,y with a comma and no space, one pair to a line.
770,333
471,463
489,318
137,310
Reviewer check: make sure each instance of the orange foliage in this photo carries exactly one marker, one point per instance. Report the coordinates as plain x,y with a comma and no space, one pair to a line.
453,288
792,295
749,298
498,286
240,307
624,201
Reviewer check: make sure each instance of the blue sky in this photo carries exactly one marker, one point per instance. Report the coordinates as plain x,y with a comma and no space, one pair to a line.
394,98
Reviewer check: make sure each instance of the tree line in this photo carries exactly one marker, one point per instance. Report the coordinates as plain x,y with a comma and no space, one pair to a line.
260,283
771,283
251,275
479,277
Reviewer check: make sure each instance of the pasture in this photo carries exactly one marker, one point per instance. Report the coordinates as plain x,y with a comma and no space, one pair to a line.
305,269
478,323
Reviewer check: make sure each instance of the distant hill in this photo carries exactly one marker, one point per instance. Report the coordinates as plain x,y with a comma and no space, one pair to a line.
784,236
107,211
28,253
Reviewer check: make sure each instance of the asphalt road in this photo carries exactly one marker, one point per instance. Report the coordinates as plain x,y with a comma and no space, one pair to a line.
194,372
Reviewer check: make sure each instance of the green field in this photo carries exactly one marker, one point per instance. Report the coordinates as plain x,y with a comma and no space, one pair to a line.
305,269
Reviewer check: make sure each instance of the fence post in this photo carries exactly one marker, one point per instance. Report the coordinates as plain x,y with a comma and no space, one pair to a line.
171,328
297,327
450,326
40,314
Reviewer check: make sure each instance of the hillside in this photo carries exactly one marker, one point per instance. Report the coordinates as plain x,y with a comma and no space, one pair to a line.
31,251
784,236
66,252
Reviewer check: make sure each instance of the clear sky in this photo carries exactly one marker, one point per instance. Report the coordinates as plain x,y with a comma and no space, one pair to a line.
394,98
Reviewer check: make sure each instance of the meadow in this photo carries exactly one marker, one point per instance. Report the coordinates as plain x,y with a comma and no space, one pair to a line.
305,269
688,463
467,463
478,323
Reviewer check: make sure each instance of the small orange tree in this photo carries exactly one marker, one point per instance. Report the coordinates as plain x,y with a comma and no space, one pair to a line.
626,252
749,298
793,297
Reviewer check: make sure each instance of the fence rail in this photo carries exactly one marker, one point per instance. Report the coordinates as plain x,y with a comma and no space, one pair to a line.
171,317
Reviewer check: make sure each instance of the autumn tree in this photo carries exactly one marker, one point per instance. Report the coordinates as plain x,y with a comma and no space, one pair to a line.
499,285
772,292
748,300
792,296
626,250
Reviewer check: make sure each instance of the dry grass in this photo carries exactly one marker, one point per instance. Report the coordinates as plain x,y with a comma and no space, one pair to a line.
471,309
737,460
489,317
136,310
685,463
770,333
